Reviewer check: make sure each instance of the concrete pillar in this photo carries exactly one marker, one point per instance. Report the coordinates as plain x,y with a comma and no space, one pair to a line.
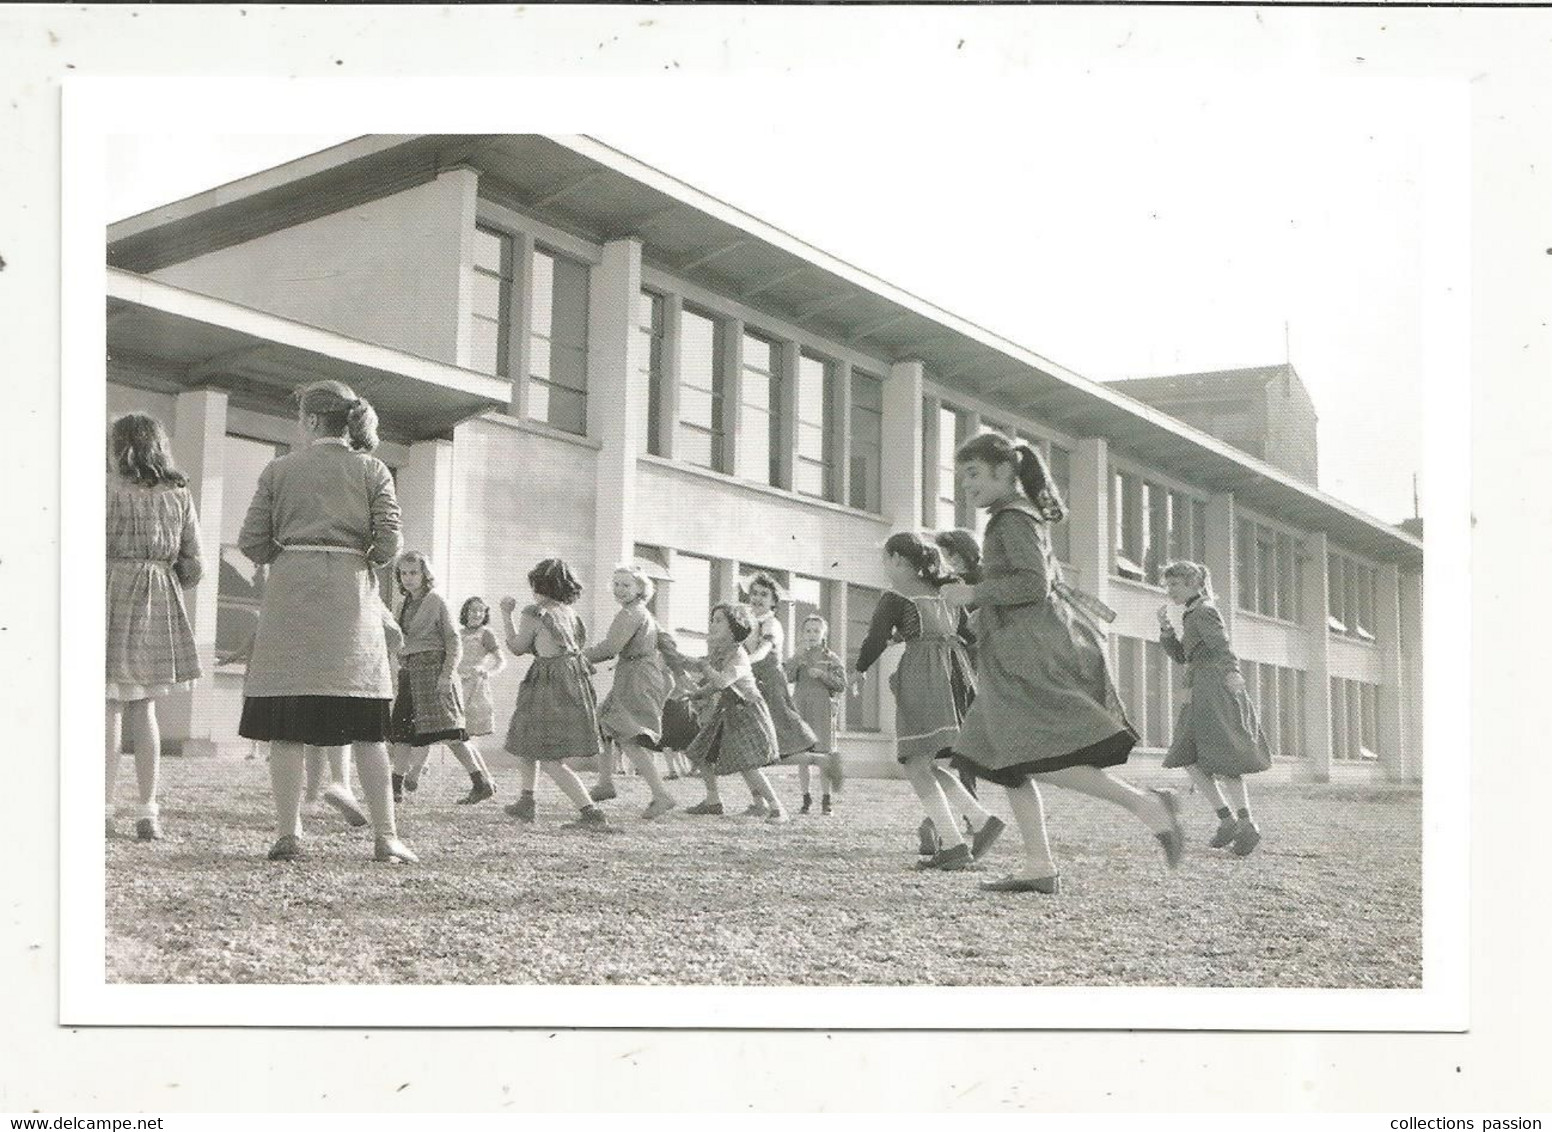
902,487
1390,720
465,183
188,719
1221,552
1089,521
425,486
1409,623
1317,708
616,415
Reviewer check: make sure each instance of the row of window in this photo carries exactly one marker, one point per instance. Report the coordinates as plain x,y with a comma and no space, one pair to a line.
1270,565
1354,721
1154,526
1281,699
693,420
1354,597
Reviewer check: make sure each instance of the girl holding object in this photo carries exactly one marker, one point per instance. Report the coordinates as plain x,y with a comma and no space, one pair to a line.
1218,739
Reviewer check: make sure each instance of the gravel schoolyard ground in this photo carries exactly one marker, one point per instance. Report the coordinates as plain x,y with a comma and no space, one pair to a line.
1331,898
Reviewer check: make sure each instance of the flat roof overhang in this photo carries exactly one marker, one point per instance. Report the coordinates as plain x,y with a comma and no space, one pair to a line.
172,340
598,193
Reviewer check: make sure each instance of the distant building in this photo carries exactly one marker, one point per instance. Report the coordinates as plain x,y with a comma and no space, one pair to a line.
573,354
1264,411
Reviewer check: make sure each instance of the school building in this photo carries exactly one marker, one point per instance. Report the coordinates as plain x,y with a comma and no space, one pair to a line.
574,354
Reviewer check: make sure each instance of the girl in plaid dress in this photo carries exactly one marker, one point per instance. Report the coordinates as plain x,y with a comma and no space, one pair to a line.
736,734
557,711
153,554
429,706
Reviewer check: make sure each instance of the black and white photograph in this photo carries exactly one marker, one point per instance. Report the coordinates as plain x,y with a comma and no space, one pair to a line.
538,559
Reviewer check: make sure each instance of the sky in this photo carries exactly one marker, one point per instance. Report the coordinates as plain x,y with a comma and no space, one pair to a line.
1117,236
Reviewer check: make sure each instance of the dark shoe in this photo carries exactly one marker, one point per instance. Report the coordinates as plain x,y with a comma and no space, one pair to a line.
603,793
288,847
657,808
808,803
345,803
986,837
706,809
1228,828
411,783
149,829
956,858
1048,886
590,818
756,810
824,805
483,788
522,809
1173,839
392,849
927,833
1247,839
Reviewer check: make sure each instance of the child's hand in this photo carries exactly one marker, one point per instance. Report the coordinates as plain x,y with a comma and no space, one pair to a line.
1164,622
508,605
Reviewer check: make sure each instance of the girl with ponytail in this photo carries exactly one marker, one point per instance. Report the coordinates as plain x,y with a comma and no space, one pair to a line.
1219,739
1047,706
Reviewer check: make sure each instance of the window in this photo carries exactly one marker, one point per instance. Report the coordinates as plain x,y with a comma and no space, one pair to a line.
1369,742
557,362
654,561
808,596
814,462
1153,526
1352,597
1270,706
240,586
692,602
1289,722
1267,571
867,442
1126,677
1156,722
862,712
1061,476
759,411
490,315
1339,748
944,432
650,326
701,384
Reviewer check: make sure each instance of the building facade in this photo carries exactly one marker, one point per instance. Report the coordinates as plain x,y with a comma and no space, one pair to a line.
572,354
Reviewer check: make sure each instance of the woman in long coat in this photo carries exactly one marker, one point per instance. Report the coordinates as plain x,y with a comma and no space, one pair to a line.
322,519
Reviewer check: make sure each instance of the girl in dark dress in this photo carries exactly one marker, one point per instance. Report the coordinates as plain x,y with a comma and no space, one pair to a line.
1046,703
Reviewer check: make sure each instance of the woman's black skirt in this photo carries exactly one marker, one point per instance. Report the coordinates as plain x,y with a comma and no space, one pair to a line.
319,721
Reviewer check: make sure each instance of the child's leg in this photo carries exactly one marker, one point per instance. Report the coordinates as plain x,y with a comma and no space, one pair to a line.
1239,796
1029,813
339,768
805,778
713,790
373,768
315,760
148,751
113,743
399,755
924,781
527,773
760,787
417,759
961,800
605,761
287,777
1147,806
465,757
570,785
1207,786
641,759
